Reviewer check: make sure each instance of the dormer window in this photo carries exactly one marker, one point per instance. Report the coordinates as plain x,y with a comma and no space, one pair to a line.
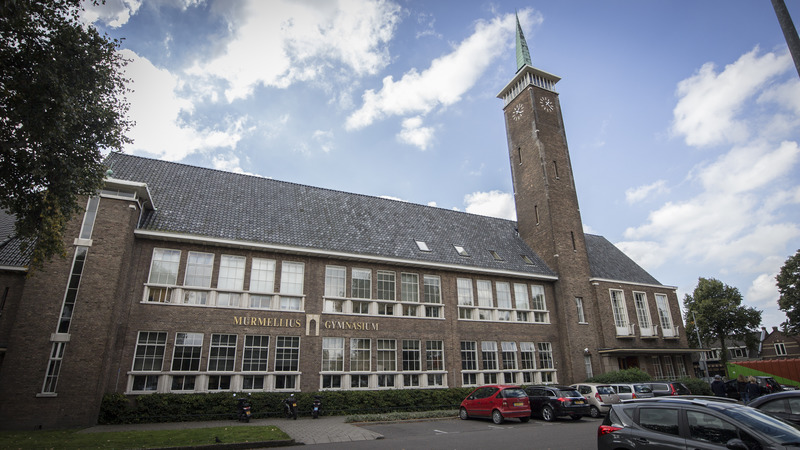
422,246
461,251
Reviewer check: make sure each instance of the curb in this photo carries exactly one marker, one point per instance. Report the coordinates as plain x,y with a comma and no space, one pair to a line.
236,445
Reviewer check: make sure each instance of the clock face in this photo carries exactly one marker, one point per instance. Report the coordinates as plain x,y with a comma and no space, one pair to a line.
517,113
546,104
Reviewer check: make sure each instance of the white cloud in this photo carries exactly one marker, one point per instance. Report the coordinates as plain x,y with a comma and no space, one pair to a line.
280,42
413,133
444,82
494,204
229,163
114,13
709,101
634,195
749,167
157,111
324,139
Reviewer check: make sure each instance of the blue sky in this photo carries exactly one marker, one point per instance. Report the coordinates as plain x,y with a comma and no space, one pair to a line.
682,117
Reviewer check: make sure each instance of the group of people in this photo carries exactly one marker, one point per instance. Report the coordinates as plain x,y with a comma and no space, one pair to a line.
748,387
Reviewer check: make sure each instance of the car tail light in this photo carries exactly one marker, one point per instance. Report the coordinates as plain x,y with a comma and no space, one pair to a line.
562,399
672,390
633,395
606,429
598,397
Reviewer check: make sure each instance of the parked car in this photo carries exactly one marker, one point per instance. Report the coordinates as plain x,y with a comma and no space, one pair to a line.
692,423
600,397
629,391
784,404
665,388
498,402
549,402
767,385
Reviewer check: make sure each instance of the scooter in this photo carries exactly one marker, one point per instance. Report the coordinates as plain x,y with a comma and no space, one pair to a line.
290,407
243,407
316,405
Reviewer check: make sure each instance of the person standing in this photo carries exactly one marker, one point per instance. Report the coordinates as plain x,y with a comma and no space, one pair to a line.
718,387
753,390
741,387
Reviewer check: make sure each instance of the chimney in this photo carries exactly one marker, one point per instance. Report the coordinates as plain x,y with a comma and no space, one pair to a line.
774,329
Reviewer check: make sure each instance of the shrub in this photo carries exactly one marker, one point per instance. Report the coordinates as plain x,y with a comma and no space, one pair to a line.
697,386
633,375
118,408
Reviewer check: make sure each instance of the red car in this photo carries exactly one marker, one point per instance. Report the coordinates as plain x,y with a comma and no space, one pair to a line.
498,401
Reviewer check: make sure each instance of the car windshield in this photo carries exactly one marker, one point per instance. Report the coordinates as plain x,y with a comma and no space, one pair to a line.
781,431
514,393
605,390
642,389
569,393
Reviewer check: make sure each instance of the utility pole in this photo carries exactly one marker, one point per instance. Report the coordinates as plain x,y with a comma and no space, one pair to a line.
789,31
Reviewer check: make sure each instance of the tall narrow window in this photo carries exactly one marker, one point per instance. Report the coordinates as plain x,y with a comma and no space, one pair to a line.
643,313
620,312
664,316
287,354
53,368
572,235
71,294
433,289
780,349
527,356
464,288
536,213
164,266
292,276
656,363
555,169
581,313
88,217
587,362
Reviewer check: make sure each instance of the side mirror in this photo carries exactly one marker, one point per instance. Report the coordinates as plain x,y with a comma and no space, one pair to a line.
736,444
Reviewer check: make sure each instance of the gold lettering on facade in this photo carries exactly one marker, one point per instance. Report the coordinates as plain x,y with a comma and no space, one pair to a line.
342,325
266,322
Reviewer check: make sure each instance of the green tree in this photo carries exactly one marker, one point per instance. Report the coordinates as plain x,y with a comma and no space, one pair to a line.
720,316
788,280
62,102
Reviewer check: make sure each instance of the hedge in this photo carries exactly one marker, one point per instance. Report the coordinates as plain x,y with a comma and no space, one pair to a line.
118,408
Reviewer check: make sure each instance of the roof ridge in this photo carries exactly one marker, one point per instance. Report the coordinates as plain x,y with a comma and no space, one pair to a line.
292,183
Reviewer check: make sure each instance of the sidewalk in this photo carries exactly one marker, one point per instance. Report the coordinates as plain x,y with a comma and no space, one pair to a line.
304,430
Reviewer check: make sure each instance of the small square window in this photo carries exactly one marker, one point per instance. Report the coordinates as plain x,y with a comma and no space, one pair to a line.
423,246
461,251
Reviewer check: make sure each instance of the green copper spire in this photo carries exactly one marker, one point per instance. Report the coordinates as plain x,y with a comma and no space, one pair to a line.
523,55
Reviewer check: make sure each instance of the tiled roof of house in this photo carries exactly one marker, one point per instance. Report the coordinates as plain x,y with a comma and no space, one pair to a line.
223,205
608,262
11,254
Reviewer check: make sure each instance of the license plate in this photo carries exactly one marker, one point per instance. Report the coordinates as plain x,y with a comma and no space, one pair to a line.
578,402
517,403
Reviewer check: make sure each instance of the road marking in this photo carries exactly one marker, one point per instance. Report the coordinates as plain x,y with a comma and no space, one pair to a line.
440,431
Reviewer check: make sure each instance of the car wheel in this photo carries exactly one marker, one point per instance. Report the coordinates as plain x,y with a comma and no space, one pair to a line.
497,417
547,413
462,414
576,417
524,419
594,412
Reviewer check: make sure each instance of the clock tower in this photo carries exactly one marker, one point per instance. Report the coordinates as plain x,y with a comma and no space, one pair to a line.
548,216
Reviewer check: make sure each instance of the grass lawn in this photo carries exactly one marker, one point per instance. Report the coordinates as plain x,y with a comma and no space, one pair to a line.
137,439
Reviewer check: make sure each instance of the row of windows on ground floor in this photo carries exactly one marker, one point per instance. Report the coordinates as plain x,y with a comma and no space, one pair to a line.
345,363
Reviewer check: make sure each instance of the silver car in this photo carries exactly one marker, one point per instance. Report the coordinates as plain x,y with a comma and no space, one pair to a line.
630,391
599,395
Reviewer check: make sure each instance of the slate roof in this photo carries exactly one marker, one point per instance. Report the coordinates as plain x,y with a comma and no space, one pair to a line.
223,205
11,254
608,262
